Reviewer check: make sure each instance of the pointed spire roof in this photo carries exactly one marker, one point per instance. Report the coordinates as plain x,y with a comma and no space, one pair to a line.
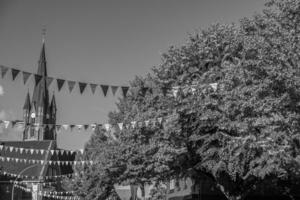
42,70
53,103
27,105
40,96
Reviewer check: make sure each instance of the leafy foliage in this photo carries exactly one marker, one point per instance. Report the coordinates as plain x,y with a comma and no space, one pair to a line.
241,134
158,192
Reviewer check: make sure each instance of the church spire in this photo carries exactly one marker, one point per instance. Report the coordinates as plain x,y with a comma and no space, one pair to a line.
27,105
40,105
42,69
53,104
40,96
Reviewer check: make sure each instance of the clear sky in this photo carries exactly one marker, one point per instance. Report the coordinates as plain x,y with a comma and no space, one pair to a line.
102,41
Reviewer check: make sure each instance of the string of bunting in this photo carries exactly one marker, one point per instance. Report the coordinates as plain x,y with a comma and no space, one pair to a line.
49,194
93,86
71,175
29,185
20,125
42,183
45,162
59,197
61,82
39,151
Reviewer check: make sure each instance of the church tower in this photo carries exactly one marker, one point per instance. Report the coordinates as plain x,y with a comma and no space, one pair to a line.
39,113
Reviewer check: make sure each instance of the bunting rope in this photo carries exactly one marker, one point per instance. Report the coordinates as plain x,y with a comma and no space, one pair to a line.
71,84
18,124
49,194
29,185
70,175
25,182
39,151
61,82
44,162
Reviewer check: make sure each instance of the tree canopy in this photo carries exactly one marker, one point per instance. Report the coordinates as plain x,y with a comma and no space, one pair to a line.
233,113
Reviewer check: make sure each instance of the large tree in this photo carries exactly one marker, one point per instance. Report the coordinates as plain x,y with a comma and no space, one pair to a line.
233,112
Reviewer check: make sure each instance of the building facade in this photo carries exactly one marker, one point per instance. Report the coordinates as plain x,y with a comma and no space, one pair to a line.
38,111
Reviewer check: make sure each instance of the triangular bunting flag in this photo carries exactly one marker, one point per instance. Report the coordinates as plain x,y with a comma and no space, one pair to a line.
6,123
93,87
107,127
65,126
82,87
60,83
71,85
37,79
13,123
31,151
120,126
85,126
114,89
72,126
147,123
49,81
93,126
3,70
104,89
14,73
26,76
58,127
81,151
133,123
125,90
